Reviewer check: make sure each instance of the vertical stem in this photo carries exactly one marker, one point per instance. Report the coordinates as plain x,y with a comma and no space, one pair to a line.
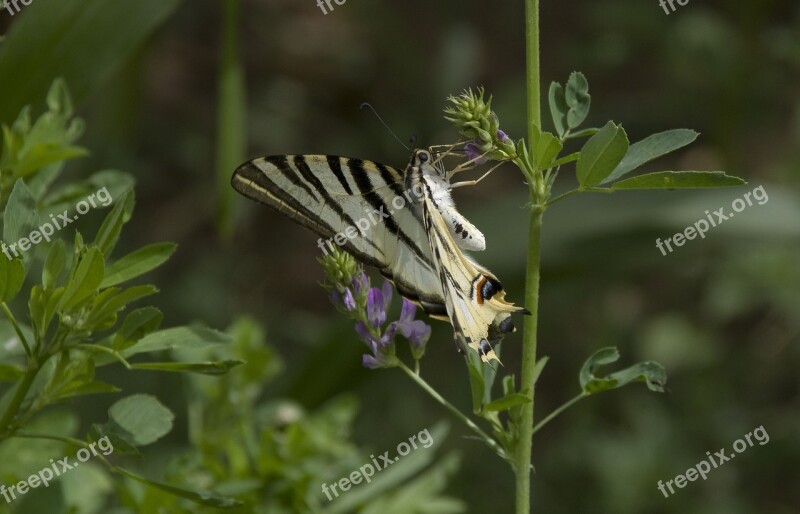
522,455
532,65
19,396
231,116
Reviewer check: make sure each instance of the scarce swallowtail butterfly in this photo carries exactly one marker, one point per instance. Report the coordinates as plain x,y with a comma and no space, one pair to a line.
417,243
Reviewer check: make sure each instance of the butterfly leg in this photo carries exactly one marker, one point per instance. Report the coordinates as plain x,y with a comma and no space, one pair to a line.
473,182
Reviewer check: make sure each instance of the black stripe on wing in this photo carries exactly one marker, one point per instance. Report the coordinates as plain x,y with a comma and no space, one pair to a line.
364,184
389,178
281,162
335,164
302,166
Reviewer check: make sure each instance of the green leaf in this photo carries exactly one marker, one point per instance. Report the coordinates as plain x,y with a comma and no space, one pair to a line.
137,263
558,106
508,384
601,154
110,301
103,187
650,148
477,386
118,441
507,402
59,99
202,368
42,155
651,373
679,180
19,220
545,147
565,160
12,275
137,324
583,133
539,367
178,337
143,417
85,389
109,231
72,41
10,372
54,264
86,279
578,99
201,497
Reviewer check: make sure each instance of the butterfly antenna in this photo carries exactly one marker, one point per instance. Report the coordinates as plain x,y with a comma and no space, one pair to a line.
371,108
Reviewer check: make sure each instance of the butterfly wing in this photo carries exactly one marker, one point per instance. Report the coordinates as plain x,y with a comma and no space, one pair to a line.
474,297
352,203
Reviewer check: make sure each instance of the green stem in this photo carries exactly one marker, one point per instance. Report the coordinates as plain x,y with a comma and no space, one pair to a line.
494,445
13,321
532,66
522,457
563,196
231,115
51,437
109,351
558,411
566,195
19,396
524,446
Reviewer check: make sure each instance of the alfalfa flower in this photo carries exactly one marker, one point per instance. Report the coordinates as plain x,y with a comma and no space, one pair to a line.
475,120
352,295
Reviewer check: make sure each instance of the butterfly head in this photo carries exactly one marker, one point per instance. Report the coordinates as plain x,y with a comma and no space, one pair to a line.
425,162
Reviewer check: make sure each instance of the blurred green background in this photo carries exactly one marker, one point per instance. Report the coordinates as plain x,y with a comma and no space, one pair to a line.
178,93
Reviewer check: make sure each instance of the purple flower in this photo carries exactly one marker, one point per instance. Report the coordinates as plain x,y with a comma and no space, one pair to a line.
378,301
336,298
474,153
363,332
360,284
381,348
349,301
416,331
502,136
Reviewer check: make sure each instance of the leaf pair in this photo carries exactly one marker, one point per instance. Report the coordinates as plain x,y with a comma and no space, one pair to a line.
608,155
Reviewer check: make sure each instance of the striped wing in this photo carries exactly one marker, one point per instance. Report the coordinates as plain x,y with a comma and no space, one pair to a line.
330,194
474,298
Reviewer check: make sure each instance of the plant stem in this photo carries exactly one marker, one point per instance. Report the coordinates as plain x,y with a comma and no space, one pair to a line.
532,66
494,445
558,411
524,446
231,115
19,395
522,457
563,196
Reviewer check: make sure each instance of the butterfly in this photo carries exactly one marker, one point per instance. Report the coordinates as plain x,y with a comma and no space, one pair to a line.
404,223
